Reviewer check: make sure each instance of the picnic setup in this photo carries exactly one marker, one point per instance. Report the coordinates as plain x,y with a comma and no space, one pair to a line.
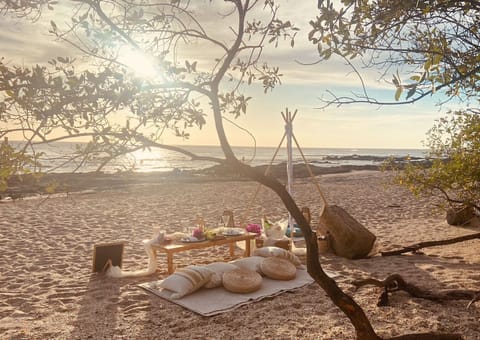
271,251
210,289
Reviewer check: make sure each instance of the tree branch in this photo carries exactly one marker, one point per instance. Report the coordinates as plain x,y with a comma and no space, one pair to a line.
395,282
415,247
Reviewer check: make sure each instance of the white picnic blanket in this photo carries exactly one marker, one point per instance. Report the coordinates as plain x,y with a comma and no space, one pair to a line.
208,302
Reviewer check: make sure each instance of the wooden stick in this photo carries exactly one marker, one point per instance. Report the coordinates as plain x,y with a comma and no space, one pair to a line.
310,172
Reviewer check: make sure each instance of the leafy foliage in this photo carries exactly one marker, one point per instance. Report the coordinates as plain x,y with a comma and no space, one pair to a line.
427,47
436,44
14,163
454,149
99,96
31,9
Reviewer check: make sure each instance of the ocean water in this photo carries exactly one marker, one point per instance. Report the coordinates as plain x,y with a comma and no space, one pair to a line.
56,155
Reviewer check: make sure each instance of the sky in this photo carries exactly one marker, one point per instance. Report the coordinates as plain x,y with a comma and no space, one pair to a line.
303,86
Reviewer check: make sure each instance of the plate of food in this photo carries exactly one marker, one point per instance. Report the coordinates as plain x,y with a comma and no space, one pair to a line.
191,239
233,232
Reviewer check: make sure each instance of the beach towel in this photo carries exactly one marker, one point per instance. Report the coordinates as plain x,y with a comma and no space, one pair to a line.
209,302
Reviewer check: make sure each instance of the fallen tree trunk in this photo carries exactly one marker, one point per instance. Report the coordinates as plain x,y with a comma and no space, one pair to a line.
396,282
415,247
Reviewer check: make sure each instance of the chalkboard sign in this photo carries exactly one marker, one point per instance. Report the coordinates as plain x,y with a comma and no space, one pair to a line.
107,254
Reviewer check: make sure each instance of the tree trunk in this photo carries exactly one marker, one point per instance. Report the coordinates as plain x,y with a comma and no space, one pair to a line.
362,325
352,310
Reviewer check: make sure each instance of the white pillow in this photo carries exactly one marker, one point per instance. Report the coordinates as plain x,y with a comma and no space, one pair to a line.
278,252
218,268
186,280
252,263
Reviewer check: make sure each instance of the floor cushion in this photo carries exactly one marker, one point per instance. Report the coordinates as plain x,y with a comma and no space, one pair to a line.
241,280
277,268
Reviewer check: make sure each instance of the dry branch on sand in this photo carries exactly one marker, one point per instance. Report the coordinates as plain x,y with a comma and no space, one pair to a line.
417,246
395,282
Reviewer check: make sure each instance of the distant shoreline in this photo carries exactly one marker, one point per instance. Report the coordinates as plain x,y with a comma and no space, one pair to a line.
99,181
62,182
56,158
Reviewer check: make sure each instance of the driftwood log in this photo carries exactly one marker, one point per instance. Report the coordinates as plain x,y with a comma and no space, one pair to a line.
396,282
347,237
460,216
415,247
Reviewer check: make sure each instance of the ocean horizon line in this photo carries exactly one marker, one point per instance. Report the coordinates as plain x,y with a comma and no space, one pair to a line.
252,146
55,157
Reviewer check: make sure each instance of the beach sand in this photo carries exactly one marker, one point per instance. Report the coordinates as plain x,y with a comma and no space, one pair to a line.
48,291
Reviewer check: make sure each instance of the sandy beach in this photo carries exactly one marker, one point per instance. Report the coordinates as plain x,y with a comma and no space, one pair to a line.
48,290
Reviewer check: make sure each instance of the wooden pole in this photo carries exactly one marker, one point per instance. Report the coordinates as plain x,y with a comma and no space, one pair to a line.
289,133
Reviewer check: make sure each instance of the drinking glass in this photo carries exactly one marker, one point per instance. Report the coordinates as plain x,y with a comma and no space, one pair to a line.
226,221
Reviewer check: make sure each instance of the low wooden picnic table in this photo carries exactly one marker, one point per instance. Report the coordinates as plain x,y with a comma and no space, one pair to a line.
178,246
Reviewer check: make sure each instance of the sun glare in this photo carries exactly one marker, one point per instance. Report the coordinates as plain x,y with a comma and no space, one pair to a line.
141,64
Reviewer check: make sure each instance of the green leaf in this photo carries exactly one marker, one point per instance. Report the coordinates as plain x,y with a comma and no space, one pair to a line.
398,93
327,53
427,65
411,92
437,58
415,78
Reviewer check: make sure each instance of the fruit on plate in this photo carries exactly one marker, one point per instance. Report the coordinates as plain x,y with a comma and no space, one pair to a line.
210,235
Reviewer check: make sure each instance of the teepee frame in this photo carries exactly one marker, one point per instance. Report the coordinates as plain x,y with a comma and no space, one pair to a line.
288,118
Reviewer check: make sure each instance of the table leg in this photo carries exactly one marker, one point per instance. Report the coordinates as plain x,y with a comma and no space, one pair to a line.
170,263
232,249
247,248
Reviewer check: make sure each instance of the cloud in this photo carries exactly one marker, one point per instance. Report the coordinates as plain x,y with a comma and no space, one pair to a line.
27,42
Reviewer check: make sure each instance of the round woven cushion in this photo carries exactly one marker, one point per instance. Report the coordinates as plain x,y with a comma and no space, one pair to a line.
278,269
241,280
